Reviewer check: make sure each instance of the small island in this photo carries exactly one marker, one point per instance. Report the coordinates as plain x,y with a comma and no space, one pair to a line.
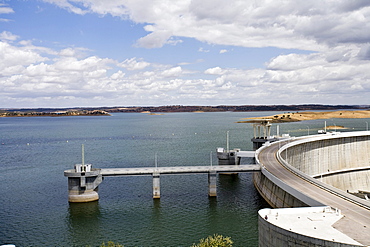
336,127
301,116
4,113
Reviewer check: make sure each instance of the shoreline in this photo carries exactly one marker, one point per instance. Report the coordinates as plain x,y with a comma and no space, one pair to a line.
303,116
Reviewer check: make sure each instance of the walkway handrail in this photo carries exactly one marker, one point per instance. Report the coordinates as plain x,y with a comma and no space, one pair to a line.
143,171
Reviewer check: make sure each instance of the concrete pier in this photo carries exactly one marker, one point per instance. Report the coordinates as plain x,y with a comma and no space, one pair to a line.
212,183
156,186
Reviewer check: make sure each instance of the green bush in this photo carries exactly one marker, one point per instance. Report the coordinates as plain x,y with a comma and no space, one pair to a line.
211,241
215,241
111,244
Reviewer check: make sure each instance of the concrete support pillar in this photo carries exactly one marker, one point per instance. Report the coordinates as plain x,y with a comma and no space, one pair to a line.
212,183
156,186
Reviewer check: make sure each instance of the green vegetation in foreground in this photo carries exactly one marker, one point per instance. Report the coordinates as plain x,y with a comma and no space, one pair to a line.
111,244
214,241
211,241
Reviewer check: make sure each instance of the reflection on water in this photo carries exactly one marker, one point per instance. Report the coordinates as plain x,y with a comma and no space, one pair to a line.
84,223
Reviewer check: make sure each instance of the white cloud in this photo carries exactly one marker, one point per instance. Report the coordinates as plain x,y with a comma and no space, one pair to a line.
337,70
8,36
201,49
69,5
309,25
214,71
133,64
11,57
155,39
68,52
66,80
5,9
119,75
89,64
223,51
174,41
172,72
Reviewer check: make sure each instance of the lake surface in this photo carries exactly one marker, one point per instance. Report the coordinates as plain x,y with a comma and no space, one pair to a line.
34,152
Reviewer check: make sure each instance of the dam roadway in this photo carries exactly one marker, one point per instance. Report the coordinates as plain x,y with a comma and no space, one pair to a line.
356,220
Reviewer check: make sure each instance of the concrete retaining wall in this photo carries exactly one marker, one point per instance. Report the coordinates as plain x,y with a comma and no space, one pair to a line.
277,193
273,194
334,161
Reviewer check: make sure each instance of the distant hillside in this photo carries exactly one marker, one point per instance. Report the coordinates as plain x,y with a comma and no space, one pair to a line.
170,108
240,108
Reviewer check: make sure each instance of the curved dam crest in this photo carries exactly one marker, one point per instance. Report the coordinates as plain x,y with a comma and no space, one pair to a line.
340,163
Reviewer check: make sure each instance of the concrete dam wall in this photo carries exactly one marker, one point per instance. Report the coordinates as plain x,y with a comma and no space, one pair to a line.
340,161
306,180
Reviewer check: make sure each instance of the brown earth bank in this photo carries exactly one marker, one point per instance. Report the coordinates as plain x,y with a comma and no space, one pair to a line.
301,116
336,127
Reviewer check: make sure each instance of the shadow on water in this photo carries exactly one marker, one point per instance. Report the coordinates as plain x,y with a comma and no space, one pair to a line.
84,223
156,213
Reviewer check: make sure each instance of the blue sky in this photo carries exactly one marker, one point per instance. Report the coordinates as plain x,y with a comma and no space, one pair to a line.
63,53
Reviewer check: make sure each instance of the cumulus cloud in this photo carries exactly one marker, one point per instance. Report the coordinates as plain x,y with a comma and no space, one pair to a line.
172,72
133,64
8,36
5,9
336,69
27,77
12,57
308,25
214,71
156,39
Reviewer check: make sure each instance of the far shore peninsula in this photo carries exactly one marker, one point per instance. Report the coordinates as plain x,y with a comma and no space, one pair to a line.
308,115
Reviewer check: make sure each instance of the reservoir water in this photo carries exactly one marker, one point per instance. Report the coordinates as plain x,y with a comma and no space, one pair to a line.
34,152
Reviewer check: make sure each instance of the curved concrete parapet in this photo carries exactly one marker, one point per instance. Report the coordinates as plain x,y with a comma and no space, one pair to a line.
83,186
